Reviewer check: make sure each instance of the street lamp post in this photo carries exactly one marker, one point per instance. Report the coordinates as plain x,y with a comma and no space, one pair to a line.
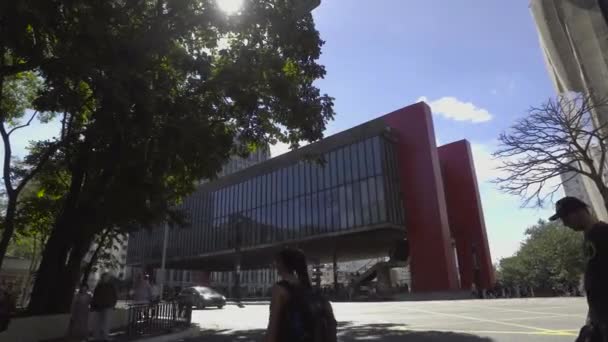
163,262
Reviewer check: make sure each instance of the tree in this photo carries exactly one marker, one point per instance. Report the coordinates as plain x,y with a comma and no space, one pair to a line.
550,257
152,96
103,257
559,138
17,95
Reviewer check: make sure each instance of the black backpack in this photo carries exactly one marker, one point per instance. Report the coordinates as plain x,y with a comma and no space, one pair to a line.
309,316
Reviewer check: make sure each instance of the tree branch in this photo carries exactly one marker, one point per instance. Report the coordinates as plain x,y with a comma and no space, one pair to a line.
24,125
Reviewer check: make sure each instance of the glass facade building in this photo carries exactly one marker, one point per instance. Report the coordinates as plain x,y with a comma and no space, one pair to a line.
349,187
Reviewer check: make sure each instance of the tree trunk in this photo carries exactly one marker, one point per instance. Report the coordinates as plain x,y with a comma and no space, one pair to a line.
89,268
9,226
73,272
53,273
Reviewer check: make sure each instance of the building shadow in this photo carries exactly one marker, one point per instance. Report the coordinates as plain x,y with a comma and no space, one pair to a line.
349,332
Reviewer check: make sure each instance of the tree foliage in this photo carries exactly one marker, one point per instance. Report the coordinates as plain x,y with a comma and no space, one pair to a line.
559,138
550,257
151,96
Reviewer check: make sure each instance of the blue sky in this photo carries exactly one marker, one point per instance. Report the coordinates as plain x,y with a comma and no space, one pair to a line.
474,60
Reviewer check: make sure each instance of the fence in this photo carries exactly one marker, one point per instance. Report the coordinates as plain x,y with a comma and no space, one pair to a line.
151,319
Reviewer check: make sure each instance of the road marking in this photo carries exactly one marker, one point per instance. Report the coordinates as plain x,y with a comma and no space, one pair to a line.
496,332
525,311
488,321
538,317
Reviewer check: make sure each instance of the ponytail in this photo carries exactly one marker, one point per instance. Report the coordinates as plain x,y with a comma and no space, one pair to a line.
294,260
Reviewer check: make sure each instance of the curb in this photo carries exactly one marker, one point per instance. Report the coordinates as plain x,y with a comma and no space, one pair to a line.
188,333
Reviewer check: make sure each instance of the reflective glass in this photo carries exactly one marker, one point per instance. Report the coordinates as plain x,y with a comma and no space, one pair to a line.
362,159
377,155
354,156
348,164
381,199
333,168
343,212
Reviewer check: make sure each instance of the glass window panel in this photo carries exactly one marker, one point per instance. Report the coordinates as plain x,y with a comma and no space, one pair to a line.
350,206
334,168
279,184
322,208
286,180
365,203
362,161
329,212
250,193
290,181
302,213
296,218
314,214
247,195
308,215
314,178
326,171
348,164
290,220
302,178
381,199
373,199
343,222
340,165
306,167
257,191
377,155
356,189
354,161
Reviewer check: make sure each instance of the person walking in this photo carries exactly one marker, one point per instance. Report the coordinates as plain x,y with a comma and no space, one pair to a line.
102,305
297,314
79,321
142,290
575,215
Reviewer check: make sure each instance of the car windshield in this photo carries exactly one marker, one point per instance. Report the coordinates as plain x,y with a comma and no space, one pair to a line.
206,290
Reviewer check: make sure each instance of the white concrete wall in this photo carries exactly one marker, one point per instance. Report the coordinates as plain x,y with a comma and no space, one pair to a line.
37,328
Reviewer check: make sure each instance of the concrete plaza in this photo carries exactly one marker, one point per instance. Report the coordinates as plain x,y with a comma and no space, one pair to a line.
538,319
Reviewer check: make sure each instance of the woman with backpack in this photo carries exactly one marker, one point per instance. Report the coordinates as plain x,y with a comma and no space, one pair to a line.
297,313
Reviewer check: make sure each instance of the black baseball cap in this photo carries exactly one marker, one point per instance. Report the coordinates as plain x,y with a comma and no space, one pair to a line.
566,206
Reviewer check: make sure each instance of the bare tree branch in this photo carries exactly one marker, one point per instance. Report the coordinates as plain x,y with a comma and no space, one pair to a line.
555,139
24,125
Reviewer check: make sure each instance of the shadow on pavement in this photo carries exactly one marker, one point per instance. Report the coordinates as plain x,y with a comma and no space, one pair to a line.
351,332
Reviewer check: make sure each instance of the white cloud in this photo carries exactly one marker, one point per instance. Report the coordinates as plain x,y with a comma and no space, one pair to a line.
454,109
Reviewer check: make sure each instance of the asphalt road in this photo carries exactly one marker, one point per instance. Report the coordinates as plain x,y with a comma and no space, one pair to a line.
551,319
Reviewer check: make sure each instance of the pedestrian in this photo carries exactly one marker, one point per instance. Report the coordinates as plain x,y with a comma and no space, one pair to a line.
142,290
102,305
296,312
575,214
154,297
79,321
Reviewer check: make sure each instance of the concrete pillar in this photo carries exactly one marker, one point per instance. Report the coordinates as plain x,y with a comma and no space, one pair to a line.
433,266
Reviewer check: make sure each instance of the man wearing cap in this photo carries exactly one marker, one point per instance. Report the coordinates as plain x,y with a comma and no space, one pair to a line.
575,214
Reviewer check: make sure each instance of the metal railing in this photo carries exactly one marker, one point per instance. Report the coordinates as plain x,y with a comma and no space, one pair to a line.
151,319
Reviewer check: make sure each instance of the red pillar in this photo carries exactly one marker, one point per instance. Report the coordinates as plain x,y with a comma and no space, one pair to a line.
465,215
432,261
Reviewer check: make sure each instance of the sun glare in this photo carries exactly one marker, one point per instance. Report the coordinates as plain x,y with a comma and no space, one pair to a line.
230,6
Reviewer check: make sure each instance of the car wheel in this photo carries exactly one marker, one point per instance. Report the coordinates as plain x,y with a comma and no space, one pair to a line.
220,307
201,305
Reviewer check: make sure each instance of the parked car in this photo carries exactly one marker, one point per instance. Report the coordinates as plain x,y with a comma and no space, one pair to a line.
201,297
